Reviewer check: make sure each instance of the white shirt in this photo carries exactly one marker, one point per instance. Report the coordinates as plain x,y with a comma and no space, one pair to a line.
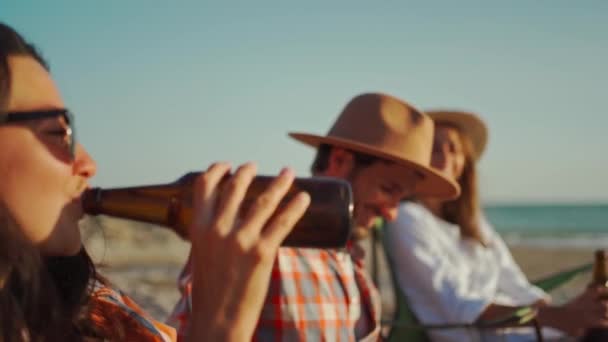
448,279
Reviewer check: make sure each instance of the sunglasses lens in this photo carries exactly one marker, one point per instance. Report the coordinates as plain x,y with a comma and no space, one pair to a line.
72,143
69,119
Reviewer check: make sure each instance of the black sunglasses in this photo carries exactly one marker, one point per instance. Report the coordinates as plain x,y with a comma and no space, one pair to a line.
13,117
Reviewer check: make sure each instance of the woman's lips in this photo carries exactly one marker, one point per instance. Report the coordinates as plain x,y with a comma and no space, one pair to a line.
74,188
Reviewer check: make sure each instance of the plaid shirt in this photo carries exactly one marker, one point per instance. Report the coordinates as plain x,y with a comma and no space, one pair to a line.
111,305
314,295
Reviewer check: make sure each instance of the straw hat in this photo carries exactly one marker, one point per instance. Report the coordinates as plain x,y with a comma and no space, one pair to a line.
468,123
386,127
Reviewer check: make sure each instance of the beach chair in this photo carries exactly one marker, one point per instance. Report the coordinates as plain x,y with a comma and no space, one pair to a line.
406,326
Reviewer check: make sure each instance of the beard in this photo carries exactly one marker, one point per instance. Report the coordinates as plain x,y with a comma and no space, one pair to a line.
360,232
365,220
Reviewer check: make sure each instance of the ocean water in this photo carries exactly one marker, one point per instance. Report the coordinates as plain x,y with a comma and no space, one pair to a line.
575,225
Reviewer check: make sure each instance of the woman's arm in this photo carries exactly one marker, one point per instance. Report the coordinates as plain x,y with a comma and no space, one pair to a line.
512,281
438,288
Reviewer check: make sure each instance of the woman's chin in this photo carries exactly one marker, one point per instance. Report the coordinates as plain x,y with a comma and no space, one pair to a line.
73,249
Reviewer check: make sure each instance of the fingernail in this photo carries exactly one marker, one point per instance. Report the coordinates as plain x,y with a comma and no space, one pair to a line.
303,198
286,172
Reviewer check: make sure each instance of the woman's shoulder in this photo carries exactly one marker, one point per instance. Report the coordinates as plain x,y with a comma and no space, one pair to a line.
487,229
414,211
414,222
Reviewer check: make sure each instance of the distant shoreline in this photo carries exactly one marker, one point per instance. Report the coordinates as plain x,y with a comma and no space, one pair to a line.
560,241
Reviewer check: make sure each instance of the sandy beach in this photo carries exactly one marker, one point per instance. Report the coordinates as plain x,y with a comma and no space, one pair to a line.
537,262
144,261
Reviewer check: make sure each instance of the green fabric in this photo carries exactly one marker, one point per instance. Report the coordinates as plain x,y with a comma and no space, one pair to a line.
406,326
554,281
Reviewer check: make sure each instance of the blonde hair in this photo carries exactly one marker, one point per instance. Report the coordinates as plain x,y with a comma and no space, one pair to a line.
465,210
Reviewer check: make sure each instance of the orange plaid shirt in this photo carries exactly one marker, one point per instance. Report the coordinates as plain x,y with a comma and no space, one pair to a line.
111,306
314,295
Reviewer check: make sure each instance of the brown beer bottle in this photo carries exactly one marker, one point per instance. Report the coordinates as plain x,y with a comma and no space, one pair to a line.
599,278
600,269
326,223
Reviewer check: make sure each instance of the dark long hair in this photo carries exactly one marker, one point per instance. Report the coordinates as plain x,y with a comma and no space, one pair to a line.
41,298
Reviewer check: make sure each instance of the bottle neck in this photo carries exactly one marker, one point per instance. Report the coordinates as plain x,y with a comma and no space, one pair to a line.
600,269
160,204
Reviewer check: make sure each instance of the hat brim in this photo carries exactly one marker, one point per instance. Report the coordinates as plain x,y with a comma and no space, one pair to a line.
432,184
468,123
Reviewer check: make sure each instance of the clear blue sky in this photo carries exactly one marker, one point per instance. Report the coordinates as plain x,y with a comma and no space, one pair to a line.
160,88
